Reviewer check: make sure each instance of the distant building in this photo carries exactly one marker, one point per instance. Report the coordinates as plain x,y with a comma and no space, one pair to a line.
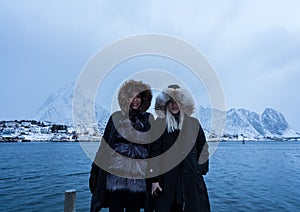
9,131
26,123
35,129
12,124
45,130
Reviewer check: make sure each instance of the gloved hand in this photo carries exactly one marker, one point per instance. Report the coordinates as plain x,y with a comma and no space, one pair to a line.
93,182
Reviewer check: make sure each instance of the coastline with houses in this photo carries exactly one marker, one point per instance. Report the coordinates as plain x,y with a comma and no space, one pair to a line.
43,131
31,130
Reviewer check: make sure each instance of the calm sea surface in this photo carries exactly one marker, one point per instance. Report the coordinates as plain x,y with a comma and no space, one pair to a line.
256,176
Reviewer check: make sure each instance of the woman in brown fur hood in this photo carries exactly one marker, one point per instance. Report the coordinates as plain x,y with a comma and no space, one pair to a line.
123,185
182,188
130,87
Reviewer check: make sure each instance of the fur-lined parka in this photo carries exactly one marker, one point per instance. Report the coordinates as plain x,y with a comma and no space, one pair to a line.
127,136
183,184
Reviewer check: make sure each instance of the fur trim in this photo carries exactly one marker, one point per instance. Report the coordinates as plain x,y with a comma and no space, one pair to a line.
131,150
127,160
130,134
116,183
182,96
128,88
134,170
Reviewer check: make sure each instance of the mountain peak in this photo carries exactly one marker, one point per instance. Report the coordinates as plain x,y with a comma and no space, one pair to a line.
274,122
58,107
251,124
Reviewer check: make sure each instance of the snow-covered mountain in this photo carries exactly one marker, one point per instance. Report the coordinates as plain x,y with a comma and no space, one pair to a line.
270,123
58,108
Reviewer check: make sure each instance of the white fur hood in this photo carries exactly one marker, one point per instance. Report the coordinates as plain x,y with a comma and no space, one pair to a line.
179,95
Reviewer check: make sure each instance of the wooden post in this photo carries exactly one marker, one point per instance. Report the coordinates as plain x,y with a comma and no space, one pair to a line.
70,199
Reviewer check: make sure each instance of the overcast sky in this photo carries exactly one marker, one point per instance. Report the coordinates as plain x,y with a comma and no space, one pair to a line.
254,46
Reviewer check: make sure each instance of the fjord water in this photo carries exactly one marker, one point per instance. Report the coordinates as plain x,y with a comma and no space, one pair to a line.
255,176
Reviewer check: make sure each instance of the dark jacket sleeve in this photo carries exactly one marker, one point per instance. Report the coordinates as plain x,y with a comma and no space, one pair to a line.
202,151
94,173
105,138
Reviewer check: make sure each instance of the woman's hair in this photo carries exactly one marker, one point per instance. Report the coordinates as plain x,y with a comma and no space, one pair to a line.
172,123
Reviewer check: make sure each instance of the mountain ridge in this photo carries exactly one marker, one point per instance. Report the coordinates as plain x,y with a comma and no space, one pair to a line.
239,121
270,123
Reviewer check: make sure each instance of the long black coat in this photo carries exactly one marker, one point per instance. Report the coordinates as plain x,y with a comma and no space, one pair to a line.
98,176
185,181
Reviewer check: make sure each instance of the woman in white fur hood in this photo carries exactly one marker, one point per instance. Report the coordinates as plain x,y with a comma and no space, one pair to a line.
182,187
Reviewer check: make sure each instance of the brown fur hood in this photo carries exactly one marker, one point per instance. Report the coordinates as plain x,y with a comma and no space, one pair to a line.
128,88
180,95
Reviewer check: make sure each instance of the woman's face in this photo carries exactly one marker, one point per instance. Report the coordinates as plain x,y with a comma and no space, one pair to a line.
135,100
173,107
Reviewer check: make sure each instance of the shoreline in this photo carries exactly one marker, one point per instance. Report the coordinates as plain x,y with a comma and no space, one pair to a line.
96,141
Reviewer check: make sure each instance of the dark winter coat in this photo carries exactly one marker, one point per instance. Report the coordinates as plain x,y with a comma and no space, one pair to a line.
111,182
184,183
126,137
